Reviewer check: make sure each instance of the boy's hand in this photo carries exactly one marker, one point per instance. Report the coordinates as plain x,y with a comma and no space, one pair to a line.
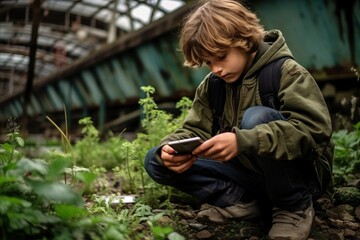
176,163
222,147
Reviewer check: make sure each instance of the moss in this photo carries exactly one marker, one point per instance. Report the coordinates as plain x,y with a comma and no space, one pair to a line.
347,195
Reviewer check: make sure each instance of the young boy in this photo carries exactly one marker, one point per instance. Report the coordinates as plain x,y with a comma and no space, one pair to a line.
261,156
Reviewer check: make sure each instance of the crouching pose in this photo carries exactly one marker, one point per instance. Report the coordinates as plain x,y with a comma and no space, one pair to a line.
276,157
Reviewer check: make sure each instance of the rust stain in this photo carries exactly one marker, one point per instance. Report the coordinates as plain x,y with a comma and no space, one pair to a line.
345,10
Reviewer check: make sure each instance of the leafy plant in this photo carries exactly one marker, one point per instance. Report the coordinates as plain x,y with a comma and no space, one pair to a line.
36,204
29,190
347,152
8,152
80,178
42,198
156,125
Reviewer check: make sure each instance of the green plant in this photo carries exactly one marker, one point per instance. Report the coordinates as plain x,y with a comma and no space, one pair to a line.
88,146
80,178
131,218
8,151
156,124
43,198
36,204
347,152
29,191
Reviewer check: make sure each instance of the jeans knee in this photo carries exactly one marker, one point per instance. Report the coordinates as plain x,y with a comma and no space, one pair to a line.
149,161
257,115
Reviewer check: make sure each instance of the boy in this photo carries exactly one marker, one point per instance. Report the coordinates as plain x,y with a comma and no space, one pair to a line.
261,156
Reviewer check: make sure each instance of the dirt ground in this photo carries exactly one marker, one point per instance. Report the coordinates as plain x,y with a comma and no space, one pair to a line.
331,223
337,218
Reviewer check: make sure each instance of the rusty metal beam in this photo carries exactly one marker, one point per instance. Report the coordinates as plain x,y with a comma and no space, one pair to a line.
37,13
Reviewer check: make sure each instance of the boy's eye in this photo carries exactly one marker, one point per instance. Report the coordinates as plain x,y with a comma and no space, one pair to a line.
222,57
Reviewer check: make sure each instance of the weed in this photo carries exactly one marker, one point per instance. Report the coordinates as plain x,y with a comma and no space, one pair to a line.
347,153
8,152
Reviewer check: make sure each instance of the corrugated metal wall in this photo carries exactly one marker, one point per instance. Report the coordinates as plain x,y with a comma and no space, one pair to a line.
324,35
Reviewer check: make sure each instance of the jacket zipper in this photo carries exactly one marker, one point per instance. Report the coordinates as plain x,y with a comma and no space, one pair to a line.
235,105
237,108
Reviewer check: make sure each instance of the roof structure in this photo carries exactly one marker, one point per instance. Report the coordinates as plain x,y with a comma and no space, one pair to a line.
67,30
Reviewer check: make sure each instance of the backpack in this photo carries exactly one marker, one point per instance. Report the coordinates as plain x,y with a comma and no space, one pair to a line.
269,83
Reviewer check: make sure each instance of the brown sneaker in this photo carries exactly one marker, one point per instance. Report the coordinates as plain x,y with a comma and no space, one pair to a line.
243,211
291,225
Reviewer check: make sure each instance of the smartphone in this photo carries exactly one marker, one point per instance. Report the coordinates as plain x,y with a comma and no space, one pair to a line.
185,146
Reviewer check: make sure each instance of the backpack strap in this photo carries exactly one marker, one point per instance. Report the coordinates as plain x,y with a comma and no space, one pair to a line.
217,95
269,83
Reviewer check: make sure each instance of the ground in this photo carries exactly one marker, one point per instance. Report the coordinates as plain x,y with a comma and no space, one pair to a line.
331,223
337,218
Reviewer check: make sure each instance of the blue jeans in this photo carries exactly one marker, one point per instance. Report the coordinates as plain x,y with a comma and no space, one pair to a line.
283,184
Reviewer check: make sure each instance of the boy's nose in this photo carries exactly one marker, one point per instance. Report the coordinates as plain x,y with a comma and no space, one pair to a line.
216,69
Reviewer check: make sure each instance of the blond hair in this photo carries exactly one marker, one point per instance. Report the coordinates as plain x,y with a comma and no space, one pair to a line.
216,26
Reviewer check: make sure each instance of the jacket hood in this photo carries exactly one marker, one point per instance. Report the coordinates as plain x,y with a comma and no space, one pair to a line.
277,49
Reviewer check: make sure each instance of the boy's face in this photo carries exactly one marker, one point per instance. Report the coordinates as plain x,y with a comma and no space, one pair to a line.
230,65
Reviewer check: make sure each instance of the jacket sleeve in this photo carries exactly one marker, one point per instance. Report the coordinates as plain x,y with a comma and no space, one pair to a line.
308,128
198,121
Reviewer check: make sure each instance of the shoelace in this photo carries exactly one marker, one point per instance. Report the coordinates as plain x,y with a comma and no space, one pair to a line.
282,216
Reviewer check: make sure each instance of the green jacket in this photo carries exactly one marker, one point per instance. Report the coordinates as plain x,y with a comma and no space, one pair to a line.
307,133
